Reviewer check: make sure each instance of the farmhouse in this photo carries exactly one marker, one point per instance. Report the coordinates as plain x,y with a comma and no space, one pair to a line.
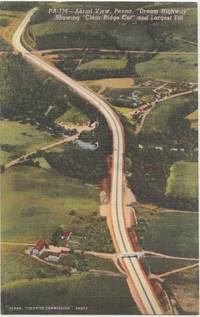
66,235
39,248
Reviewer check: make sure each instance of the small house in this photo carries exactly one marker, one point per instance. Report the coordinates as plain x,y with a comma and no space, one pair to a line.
95,124
66,235
52,258
39,248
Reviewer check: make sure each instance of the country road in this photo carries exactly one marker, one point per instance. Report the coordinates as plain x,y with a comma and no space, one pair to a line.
54,50
67,139
138,281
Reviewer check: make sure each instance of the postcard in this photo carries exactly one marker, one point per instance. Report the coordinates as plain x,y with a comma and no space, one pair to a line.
99,158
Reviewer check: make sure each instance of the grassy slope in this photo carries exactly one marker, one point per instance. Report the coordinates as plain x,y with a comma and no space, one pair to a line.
73,116
171,233
157,120
22,137
101,264
184,29
92,291
16,265
104,64
183,181
168,67
124,110
36,201
94,262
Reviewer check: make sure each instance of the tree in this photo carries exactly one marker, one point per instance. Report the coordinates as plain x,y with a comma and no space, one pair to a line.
24,93
56,236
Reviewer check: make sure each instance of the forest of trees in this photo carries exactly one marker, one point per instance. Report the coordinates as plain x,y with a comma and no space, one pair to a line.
89,166
26,94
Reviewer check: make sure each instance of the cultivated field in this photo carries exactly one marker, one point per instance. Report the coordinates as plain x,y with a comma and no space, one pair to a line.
104,64
99,294
111,83
73,116
183,181
171,233
16,265
17,138
36,201
170,67
158,120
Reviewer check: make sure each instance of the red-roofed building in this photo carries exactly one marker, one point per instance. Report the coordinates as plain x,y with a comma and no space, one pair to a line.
39,247
66,235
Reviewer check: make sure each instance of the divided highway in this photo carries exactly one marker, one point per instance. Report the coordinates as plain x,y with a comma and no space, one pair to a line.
144,294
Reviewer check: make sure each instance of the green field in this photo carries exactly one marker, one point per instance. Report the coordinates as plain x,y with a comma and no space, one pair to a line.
99,294
6,17
123,110
93,262
183,181
104,64
73,116
36,201
17,138
193,117
16,265
175,234
101,264
170,67
186,29
5,20
171,233
158,120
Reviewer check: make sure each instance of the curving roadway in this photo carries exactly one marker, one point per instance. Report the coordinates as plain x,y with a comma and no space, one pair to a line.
143,293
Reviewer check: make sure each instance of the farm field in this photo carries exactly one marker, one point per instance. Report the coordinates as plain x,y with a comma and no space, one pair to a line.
124,111
157,121
171,233
93,262
73,116
175,234
185,288
183,181
112,83
101,264
97,293
17,138
33,196
16,265
104,64
167,67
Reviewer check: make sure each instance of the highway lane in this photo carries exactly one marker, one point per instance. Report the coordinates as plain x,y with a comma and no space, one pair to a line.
144,297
